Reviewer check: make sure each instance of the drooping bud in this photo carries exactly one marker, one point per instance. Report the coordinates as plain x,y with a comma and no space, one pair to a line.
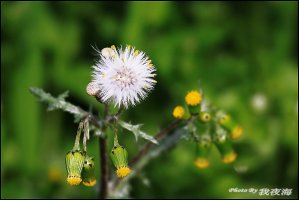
203,148
74,161
225,148
119,158
88,175
235,131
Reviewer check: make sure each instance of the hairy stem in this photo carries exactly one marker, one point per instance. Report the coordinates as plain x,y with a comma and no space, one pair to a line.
146,148
104,160
167,137
158,136
77,140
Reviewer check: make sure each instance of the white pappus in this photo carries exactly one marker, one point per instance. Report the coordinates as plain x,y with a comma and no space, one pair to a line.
123,77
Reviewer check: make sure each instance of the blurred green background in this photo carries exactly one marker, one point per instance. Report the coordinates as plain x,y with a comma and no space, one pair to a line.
244,54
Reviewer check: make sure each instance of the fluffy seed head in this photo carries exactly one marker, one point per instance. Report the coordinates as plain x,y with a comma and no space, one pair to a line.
123,76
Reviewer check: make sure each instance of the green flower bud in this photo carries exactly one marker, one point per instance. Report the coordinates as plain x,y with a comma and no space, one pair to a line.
235,131
225,148
203,148
204,117
88,172
74,161
119,158
193,99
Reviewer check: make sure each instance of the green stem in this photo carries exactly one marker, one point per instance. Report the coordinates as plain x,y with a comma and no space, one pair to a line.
86,132
77,141
103,186
115,136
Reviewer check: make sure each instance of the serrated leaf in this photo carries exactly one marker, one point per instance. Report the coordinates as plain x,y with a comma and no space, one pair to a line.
63,95
135,129
58,103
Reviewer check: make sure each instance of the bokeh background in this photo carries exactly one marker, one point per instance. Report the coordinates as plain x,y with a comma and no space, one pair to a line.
243,54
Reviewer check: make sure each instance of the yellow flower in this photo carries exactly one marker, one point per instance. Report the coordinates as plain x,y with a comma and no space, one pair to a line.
229,158
236,133
123,171
193,98
178,112
201,163
89,183
73,180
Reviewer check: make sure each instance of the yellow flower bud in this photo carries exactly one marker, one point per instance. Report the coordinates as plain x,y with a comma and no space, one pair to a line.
119,158
74,163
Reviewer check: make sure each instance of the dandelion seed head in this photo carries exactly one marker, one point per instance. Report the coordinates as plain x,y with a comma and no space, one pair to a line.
123,76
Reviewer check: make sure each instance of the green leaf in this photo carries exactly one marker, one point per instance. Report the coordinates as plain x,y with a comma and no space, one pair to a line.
58,103
135,129
63,96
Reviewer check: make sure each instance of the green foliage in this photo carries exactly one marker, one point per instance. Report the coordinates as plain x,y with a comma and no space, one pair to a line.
236,50
135,129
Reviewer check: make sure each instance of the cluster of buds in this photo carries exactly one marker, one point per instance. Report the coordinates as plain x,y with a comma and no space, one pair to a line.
79,166
74,161
210,126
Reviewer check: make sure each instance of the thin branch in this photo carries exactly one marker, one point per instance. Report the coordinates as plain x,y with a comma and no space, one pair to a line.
79,114
147,152
147,147
104,160
104,168
170,138
158,136
60,103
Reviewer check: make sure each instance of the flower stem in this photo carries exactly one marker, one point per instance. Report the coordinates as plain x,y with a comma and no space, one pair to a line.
77,141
